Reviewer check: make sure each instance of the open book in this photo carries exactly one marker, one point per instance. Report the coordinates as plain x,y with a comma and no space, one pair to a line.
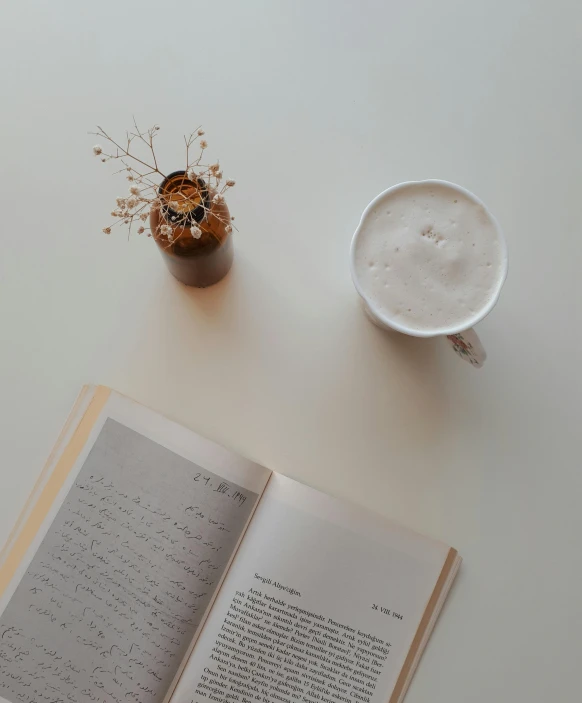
152,565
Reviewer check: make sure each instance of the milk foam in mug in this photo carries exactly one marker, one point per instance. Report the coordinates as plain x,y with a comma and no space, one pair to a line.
428,258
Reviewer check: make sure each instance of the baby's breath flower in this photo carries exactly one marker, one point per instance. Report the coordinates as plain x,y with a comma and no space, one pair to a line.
142,200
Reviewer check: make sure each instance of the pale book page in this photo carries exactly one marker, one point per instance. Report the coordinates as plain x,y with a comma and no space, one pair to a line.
81,404
321,603
107,602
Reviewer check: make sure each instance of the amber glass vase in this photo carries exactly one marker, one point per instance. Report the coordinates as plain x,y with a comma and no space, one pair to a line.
195,261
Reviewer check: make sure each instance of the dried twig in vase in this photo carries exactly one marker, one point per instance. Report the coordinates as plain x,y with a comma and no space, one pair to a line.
144,177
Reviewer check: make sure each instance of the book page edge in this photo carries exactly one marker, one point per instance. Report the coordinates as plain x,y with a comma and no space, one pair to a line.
21,543
426,624
49,464
431,625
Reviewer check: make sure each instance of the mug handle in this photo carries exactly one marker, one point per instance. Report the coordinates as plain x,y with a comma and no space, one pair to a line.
468,346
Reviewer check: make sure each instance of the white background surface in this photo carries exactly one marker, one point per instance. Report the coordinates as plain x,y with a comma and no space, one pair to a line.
314,108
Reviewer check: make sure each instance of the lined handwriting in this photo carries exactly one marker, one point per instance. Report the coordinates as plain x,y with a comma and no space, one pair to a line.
118,587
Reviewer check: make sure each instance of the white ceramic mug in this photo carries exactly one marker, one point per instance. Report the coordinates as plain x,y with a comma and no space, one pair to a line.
465,342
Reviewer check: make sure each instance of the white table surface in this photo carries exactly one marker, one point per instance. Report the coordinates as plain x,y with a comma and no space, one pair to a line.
315,107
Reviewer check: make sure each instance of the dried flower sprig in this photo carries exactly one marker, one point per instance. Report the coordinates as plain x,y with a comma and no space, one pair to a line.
144,176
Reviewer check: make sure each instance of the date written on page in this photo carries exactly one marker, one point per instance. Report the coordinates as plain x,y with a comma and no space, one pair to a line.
220,487
386,611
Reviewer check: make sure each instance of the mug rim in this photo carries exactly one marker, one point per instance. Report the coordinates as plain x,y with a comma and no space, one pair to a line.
455,329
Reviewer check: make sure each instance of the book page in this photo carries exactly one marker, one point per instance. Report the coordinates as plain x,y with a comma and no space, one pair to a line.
120,577
78,410
322,603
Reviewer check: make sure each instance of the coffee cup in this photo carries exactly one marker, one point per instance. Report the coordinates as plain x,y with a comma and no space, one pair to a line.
429,259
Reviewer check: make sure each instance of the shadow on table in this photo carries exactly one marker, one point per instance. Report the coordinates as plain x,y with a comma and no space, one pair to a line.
209,302
275,352
410,372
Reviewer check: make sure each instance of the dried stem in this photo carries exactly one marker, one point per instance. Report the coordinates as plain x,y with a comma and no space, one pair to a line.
144,182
